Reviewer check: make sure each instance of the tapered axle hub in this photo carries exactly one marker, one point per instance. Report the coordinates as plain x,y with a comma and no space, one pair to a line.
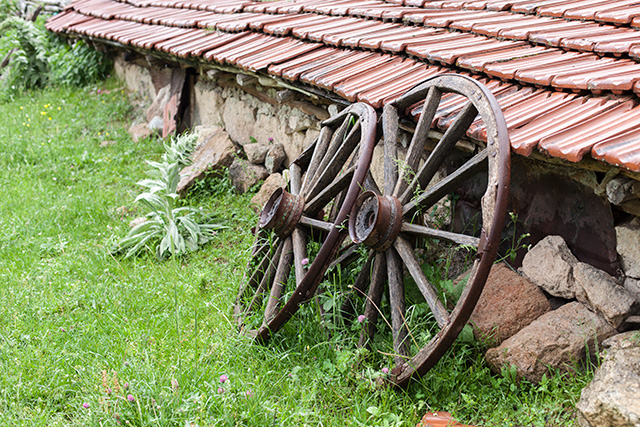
282,212
375,220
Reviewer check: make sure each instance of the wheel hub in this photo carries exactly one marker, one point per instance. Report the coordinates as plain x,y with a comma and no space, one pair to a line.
375,220
282,212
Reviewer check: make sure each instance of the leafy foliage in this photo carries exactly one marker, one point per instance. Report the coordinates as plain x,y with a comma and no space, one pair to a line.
170,229
76,64
39,58
29,66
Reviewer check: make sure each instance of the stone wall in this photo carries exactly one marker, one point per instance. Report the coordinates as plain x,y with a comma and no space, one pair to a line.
547,199
252,114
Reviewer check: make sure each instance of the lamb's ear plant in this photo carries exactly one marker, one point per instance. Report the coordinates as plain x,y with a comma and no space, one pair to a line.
170,229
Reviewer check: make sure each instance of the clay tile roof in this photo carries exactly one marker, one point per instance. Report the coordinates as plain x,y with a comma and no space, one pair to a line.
565,72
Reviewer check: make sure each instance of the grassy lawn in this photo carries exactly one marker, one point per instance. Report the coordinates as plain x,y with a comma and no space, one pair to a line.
90,339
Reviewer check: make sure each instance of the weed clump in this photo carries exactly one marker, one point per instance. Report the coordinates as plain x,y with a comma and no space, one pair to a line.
36,58
168,229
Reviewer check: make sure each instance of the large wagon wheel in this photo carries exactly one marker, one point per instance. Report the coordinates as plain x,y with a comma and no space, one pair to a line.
299,230
391,225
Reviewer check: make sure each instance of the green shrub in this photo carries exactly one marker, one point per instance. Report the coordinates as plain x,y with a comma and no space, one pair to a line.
77,64
40,58
29,65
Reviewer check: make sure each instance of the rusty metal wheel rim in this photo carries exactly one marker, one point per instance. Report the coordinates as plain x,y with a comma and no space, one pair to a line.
386,267
325,181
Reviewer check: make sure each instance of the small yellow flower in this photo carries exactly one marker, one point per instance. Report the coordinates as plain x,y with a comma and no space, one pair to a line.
24,124
59,108
43,112
99,133
107,133
49,118
22,108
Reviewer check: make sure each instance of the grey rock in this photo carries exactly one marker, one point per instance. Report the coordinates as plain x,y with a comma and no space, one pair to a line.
603,294
213,154
139,131
271,184
623,340
208,104
299,121
557,339
256,152
612,399
549,264
239,120
628,247
633,287
158,104
245,175
508,303
136,77
156,124
275,158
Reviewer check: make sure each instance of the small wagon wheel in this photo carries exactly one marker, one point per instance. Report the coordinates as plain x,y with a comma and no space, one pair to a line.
390,224
299,230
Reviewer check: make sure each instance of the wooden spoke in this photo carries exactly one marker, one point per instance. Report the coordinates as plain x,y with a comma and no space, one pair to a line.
279,281
330,191
374,298
390,135
422,326
347,256
432,233
429,292
296,176
299,240
318,149
398,307
261,267
322,161
370,184
300,227
269,268
444,147
444,187
416,147
316,224
335,164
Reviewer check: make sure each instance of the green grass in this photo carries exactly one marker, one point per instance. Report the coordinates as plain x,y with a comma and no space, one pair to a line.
81,328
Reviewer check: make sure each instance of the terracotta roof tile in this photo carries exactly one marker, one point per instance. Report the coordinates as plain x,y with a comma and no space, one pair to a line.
336,45
555,37
529,30
390,92
558,9
622,15
375,40
526,138
622,150
507,70
585,79
478,62
574,142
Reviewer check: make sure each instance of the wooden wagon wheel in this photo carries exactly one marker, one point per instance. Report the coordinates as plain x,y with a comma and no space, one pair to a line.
299,230
391,224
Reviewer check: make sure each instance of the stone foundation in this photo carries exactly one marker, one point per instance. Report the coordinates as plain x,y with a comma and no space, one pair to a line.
547,197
